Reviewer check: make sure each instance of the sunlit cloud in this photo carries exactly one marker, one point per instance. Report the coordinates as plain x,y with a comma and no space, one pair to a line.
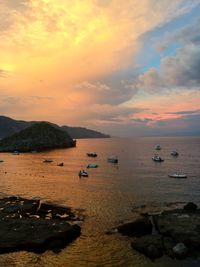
60,51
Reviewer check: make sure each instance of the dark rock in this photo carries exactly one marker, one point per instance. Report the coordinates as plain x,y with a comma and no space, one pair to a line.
168,244
180,251
182,226
190,207
139,227
27,225
149,245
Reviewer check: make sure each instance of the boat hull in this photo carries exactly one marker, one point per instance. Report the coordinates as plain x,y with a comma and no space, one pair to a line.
179,176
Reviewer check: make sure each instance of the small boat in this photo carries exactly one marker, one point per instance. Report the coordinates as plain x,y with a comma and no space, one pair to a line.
60,164
92,154
157,158
92,165
112,159
16,153
1,161
83,174
174,153
157,147
47,160
177,175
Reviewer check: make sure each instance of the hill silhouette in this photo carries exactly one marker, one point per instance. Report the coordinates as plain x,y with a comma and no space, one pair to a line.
39,136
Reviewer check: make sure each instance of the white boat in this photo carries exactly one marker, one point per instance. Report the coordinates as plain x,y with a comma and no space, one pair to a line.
157,158
83,174
92,165
174,153
113,159
177,175
92,154
157,147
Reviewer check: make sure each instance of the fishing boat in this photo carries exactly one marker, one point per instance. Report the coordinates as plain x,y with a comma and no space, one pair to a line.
92,154
174,153
60,164
157,147
157,158
83,174
92,165
177,175
112,159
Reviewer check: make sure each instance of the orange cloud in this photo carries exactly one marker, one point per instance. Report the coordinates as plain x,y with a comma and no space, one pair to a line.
48,46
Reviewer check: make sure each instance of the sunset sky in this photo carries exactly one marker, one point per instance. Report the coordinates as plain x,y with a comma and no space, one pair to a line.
127,68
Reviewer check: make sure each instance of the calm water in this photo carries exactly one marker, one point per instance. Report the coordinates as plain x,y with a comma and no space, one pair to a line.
111,194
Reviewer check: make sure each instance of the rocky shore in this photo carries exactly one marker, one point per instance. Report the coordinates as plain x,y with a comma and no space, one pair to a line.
175,233
34,226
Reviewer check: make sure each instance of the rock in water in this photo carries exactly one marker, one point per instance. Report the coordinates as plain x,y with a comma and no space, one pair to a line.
39,136
24,226
190,207
149,245
139,227
180,250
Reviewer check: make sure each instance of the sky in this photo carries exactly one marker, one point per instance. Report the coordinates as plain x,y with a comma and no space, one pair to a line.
126,68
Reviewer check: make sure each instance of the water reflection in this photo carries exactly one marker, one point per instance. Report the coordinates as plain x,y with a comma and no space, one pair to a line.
108,195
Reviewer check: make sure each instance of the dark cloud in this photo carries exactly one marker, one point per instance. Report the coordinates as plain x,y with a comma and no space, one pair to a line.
112,113
185,125
107,93
184,112
145,120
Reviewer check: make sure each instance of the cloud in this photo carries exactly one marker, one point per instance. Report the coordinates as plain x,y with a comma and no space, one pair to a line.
79,40
19,106
185,112
72,46
180,70
145,120
185,125
3,73
101,93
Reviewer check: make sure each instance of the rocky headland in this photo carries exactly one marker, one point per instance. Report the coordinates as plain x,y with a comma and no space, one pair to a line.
175,233
40,136
34,226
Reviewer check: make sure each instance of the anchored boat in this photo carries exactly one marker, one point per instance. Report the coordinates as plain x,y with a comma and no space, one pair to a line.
177,175
112,159
92,154
92,165
83,174
157,158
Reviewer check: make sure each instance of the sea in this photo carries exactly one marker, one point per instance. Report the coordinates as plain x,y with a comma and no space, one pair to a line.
111,195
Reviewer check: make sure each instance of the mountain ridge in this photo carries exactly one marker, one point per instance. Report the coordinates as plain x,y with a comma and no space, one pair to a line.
9,126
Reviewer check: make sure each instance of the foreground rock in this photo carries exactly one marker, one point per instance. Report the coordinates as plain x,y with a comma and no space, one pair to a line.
176,234
182,226
32,226
139,227
149,245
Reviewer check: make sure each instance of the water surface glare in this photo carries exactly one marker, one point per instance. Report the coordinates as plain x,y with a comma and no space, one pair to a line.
112,193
